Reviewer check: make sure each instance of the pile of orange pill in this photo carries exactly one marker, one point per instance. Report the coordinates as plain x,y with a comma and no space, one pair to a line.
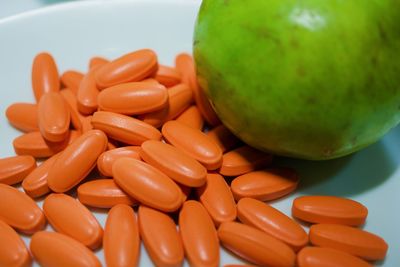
140,139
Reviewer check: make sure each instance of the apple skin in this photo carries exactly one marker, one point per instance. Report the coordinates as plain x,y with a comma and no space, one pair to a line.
312,79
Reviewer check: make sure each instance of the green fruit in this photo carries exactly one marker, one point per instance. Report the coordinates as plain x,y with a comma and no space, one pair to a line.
313,79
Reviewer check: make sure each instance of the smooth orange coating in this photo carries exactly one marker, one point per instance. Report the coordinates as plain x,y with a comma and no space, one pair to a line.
44,75
243,160
179,99
103,193
133,98
217,198
224,138
76,161
349,239
192,117
329,209
255,246
270,220
160,237
96,61
107,158
131,67
87,93
87,124
72,103
147,184
167,76
185,65
20,211
199,236
174,163
14,169
35,145
317,257
23,116
124,128
265,185
71,79
13,251
55,249
35,184
121,242
194,143
68,216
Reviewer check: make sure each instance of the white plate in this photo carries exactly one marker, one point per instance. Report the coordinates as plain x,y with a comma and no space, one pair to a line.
74,32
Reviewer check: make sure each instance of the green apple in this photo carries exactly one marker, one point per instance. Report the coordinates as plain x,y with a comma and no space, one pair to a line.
313,79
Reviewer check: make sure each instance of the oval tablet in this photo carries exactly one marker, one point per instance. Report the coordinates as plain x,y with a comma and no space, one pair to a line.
55,249
349,239
14,169
68,216
44,75
103,193
255,246
131,67
147,184
121,242
199,236
270,220
71,79
167,76
20,211
76,161
133,98
107,158
194,143
87,93
217,198
224,138
329,209
23,116
160,237
192,117
317,257
54,117
264,185
13,252
97,61
72,103
124,128
174,163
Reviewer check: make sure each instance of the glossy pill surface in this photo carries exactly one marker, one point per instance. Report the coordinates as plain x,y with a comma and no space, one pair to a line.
107,158
167,76
192,117
13,251
14,169
44,75
71,79
23,116
87,93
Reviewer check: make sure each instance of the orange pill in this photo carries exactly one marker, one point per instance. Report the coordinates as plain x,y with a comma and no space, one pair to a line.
255,246
147,184
194,143
35,184
133,98
186,190
87,123
68,216
103,193
121,241
243,160
179,99
167,76
192,117
317,257
14,169
97,61
131,67
329,209
71,79
107,158
87,93
76,161
217,198
72,104
174,163
55,249
270,220
160,237
23,116
265,185
44,75
199,236
224,138
13,251
124,128
185,65
20,211
349,239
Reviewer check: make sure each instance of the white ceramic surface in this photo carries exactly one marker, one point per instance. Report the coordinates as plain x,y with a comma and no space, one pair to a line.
73,32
